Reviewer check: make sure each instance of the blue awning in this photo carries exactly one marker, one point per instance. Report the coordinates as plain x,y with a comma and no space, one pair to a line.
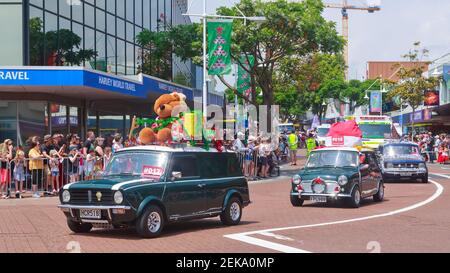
31,79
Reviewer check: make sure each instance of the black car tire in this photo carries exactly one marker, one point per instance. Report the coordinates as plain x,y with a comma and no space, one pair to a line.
79,227
296,202
425,180
232,214
379,197
355,200
151,223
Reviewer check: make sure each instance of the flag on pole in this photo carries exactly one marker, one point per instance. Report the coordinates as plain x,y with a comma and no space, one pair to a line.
375,102
219,46
244,81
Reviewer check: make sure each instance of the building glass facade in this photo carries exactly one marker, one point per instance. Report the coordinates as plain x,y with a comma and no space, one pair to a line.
106,28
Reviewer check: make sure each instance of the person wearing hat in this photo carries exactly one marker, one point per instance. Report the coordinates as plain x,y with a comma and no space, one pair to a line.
311,144
46,148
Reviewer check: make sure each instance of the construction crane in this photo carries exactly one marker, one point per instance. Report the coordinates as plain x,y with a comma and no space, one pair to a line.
344,6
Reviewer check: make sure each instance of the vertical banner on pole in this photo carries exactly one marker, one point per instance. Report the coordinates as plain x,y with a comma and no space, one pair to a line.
244,81
375,102
219,46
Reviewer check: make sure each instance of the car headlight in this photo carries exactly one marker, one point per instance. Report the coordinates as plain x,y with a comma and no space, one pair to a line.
66,196
422,166
342,180
118,197
296,179
389,165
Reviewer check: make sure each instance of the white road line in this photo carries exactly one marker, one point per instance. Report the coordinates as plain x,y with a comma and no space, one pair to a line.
265,244
244,237
441,175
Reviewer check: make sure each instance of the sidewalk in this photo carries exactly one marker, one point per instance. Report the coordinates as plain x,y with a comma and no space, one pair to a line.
286,170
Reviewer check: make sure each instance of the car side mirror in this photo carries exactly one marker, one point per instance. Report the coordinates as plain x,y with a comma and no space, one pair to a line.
176,175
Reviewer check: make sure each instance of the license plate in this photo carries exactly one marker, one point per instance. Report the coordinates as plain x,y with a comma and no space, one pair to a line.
406,174
318,199
90,213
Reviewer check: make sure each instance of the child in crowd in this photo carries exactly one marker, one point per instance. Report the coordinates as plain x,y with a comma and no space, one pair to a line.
91,158
19,173
74,157
55,162
117,143
107,157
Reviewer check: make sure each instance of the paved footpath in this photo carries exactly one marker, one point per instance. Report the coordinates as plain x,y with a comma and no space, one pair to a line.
414,218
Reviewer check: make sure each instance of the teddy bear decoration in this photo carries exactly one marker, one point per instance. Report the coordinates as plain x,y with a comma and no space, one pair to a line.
168,108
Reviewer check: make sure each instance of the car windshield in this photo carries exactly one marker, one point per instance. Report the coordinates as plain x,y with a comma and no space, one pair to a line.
332,159
376,131
322,132
137,163
401,150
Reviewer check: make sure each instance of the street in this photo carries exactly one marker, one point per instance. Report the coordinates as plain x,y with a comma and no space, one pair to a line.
413,218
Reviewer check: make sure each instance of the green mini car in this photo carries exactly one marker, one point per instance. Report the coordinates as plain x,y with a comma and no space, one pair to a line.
147,187
338,173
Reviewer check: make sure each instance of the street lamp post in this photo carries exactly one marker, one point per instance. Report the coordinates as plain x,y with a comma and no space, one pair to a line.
204,18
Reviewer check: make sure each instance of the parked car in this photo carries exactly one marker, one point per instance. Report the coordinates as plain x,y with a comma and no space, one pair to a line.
147,187
402,161
338,173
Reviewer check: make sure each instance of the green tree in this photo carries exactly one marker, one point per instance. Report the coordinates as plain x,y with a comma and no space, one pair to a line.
291,30
156,57
356,91
308,83
63,45
412,84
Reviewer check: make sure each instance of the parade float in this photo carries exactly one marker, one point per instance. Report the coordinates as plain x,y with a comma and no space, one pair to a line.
174,125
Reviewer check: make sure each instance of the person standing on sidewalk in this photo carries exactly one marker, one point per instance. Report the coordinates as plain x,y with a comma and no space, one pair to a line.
293,147
36,166
6,150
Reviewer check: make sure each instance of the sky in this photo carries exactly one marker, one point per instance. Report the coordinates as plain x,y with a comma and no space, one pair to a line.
385,35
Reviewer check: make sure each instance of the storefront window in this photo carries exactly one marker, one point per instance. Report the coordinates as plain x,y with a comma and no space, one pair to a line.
8,121
31,119
59,119
73,118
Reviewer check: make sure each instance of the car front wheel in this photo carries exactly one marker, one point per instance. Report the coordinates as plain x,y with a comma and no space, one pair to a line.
425,179
151,222
380,194
232,214
355,199
79,227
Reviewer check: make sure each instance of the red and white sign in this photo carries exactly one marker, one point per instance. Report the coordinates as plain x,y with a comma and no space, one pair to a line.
337,140
152,172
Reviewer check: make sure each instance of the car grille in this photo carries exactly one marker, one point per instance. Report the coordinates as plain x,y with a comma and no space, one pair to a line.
82,197
406,165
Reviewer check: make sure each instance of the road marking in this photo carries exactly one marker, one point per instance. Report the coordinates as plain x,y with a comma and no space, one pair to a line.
441,175
246,238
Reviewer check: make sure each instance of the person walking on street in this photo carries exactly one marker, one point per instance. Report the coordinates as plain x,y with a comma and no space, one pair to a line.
293,147
311,144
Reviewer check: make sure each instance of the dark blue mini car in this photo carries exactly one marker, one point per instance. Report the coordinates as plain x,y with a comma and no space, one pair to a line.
402,161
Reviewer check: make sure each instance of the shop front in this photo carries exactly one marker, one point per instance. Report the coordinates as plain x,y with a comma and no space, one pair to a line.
48,100
425,120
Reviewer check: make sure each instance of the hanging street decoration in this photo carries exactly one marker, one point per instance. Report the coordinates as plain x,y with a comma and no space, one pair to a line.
219,45
244,81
